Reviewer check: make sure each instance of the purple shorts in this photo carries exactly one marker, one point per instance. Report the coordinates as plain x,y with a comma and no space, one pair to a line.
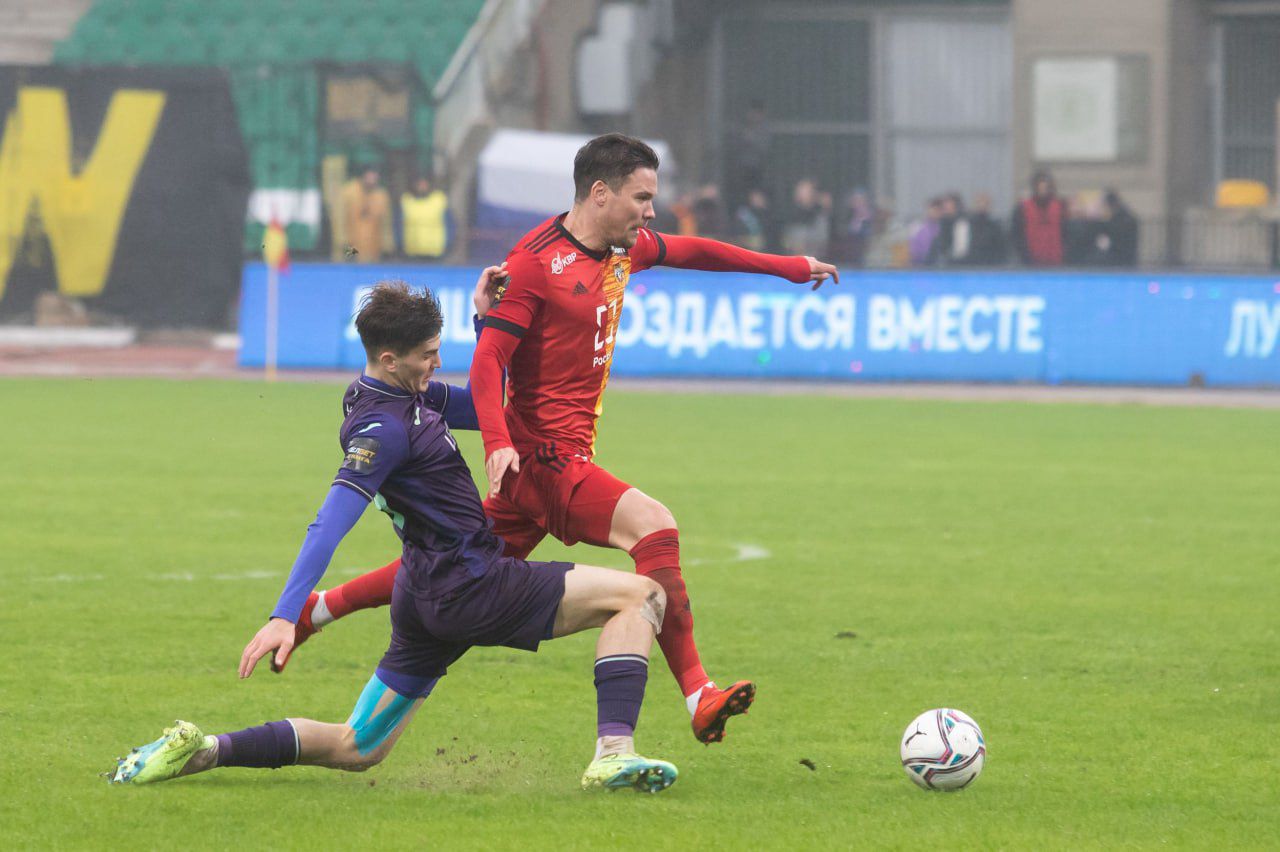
513,604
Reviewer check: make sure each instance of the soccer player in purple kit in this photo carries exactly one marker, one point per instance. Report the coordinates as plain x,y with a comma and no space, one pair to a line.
454,589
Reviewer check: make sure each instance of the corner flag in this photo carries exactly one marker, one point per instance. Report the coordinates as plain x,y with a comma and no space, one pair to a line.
275,247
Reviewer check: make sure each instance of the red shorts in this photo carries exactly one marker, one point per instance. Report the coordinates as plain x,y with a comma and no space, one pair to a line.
564,495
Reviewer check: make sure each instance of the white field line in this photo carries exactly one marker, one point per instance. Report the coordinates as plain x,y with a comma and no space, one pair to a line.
741,553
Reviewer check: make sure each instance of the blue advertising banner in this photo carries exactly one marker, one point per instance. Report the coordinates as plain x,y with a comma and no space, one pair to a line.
935,325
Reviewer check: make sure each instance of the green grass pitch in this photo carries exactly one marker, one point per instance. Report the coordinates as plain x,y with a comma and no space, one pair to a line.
1096,585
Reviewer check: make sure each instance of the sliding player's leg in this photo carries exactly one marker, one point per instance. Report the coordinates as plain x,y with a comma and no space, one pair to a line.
519,534
367,591
604,510
380,716
628,611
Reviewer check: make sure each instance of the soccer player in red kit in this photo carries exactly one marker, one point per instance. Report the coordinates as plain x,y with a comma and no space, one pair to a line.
553,333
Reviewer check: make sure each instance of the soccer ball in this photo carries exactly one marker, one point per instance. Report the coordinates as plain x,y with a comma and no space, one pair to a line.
943,750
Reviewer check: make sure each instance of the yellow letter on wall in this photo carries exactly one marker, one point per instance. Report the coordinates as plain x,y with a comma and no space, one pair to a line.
81,213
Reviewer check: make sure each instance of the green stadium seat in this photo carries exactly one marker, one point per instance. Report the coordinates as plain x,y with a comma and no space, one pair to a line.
266,46
389,51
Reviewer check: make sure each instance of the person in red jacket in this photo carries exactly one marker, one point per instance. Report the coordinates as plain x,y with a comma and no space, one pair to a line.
1039,224
552,334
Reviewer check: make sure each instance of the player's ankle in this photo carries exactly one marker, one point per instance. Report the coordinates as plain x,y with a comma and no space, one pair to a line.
204,759
691,700
606,746
320,613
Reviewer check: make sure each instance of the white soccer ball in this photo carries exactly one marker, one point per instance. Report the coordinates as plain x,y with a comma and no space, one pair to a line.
943,750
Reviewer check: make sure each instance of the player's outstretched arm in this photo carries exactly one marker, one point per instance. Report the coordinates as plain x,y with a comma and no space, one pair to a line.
715,256
341,509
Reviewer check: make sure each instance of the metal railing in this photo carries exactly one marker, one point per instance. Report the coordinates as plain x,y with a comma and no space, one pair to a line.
463,94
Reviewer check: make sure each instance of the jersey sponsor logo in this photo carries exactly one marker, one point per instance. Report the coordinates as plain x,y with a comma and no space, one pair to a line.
367,428
360,455
580,289
560,264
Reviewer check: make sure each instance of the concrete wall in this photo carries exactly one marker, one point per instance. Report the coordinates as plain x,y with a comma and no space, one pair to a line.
1173,35
674,106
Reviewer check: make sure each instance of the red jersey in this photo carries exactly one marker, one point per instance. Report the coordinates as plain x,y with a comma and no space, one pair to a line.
556,325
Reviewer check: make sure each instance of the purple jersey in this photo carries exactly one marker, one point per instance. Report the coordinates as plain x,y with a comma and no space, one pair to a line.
401,456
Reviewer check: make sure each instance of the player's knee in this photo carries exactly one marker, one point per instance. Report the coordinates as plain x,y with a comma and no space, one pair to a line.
648,599
655,517
654,606
366,762
350,757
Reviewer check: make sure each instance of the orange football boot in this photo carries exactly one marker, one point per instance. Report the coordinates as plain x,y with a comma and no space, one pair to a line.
715,706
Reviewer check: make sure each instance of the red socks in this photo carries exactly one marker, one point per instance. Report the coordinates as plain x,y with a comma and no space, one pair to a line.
364,592
657,557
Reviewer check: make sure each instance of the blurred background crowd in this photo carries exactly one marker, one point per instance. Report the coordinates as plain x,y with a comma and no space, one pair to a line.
877,133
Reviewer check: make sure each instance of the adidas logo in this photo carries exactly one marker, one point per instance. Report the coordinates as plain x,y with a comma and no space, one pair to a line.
579,290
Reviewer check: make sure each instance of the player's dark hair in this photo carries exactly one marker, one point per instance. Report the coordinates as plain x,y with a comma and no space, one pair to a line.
396,318
610,158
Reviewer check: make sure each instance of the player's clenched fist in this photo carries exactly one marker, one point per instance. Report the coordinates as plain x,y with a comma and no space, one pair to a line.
276,635
497,464
489,288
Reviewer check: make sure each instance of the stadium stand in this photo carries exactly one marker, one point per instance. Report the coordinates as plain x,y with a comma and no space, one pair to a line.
29,29
273,50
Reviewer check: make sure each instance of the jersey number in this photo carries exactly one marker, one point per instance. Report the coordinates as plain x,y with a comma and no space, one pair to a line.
612,309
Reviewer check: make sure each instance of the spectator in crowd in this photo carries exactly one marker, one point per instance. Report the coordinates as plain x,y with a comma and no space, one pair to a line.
708,210
923,233
701,213
890,235
1101,231
853,229
1039,224
986,236
951,213
808,229
426,223
366,213
969,237
685,220
755,226
1085,242
1121,230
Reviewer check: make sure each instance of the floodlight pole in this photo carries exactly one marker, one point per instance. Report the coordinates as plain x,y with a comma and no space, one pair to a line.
273,320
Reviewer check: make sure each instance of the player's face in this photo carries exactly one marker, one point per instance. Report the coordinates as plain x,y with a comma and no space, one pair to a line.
631,207
414,369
